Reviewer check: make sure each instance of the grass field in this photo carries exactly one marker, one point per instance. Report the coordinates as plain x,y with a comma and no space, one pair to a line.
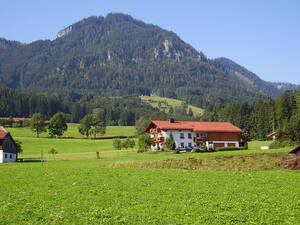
81,192
171,102
125,187
73,131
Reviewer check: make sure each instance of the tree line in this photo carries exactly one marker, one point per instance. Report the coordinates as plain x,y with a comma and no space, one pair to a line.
260,118
121,110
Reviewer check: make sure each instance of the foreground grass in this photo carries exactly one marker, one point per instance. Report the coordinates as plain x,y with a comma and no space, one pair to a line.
81,192
234,187
72,131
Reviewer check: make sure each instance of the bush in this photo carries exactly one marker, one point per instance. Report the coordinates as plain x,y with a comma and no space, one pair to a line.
140,150
176,151
196,150
203,147
280,144
231,148
117,144
144,143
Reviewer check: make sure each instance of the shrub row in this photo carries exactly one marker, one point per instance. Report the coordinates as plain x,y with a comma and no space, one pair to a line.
231,148
280,144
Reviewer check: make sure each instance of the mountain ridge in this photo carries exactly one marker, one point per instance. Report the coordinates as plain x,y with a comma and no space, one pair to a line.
119,55
274,89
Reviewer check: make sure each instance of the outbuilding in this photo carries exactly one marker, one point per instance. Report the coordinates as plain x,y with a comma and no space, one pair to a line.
8,148
296,151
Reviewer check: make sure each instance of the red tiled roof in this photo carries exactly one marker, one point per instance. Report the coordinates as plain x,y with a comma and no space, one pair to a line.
3,132
197,126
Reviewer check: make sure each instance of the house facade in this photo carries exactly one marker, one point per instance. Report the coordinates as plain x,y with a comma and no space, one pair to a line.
8,150
190,134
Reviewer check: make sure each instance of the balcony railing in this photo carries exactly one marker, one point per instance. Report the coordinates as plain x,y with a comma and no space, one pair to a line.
158,139
200,139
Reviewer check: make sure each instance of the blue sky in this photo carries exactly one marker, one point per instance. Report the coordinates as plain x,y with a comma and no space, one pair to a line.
263,36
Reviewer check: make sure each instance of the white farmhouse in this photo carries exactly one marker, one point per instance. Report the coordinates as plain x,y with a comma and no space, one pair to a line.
189,134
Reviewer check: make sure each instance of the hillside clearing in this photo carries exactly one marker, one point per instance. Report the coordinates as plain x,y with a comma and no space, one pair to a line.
171,102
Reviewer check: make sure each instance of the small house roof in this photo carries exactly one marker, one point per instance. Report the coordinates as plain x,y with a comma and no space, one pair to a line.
3,132
295,150
271,134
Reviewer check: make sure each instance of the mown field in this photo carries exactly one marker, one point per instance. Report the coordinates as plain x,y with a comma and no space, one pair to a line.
73,131
171,102
125,187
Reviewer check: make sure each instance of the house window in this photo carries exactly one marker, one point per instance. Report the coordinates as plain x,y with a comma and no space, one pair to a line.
203,135
182,135
182,145
197,134
190,144
5,156
189,135
10,156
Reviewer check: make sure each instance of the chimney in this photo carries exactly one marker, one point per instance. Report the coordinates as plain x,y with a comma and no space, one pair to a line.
172,120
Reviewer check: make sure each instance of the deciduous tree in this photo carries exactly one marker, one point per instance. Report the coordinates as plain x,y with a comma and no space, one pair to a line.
86,125
57,125
38,123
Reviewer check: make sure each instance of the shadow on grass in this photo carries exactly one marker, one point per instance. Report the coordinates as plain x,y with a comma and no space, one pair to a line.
30,160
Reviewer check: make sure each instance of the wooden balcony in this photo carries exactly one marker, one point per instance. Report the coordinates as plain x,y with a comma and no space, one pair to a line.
196,139
158,139
155,131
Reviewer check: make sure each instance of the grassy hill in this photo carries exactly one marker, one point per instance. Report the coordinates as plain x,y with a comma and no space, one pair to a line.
165,103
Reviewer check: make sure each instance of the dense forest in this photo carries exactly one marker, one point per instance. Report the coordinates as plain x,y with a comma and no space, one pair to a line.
263,117
117,55
121,111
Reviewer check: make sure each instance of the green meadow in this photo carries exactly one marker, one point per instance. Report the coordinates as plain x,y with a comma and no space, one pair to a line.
126,187
171,102
73,132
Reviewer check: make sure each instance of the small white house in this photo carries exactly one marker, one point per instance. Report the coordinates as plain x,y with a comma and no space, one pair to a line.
8,149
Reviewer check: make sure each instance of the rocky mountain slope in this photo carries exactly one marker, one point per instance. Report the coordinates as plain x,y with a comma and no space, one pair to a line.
119,55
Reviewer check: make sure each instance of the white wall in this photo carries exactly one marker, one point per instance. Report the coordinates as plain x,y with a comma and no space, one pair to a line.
178,140
10,157
1,156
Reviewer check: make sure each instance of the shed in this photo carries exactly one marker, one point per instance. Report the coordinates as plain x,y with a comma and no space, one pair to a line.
296,151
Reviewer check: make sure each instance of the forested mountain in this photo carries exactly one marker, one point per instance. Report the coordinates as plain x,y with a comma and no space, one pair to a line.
117,55
274,89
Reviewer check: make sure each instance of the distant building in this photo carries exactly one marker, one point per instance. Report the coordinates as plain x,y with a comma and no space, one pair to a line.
272,136
190,134
8,148
146,100
15,119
